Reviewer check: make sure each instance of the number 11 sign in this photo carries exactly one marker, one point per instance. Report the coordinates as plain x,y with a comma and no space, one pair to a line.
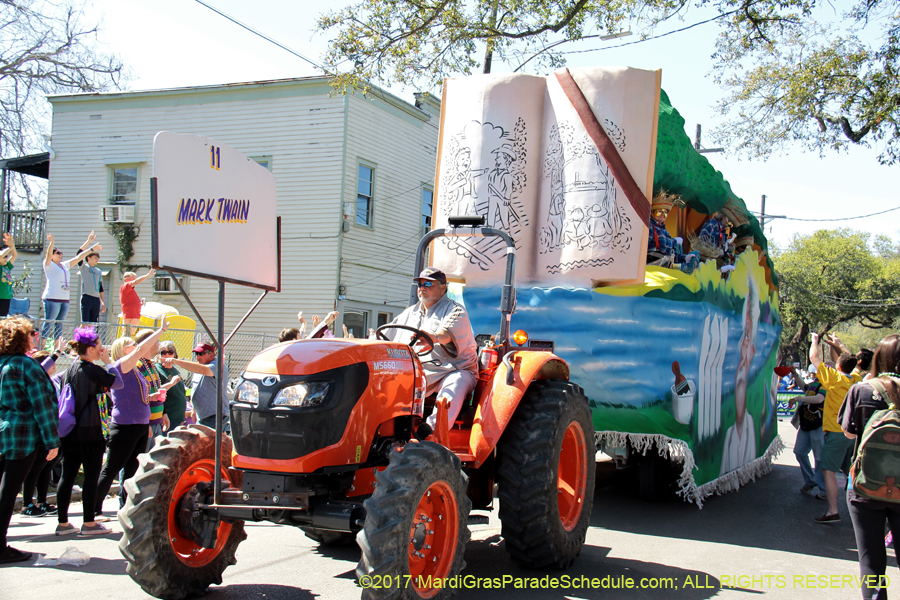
214,212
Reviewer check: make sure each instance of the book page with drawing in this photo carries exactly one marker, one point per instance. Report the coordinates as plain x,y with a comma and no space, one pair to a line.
488,164
513,149
586,227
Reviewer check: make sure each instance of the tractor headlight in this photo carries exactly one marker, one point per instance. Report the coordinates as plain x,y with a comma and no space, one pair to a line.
306,394
246,393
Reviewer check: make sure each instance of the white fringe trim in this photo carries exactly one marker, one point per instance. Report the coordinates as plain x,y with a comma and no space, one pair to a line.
679,451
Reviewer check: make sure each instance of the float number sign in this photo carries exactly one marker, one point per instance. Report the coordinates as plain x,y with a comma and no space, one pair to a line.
214,212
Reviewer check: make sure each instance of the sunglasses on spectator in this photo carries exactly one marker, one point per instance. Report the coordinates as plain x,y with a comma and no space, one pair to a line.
167,353
424,284
34,334
58,252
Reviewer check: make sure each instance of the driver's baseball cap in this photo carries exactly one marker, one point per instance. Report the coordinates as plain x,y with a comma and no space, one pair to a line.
204,347
432,274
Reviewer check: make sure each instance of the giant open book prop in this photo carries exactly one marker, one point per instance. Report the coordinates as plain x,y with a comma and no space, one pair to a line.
564,164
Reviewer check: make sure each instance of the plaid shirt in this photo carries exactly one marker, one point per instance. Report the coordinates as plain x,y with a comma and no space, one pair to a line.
713,234
660,240
28,407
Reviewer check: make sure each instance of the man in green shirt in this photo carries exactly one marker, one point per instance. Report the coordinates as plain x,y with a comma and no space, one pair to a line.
7,256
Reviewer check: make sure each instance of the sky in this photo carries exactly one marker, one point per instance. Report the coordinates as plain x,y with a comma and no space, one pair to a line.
181,43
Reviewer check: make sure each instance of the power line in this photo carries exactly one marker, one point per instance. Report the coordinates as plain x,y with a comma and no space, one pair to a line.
263,36
853,302
841,219
654,37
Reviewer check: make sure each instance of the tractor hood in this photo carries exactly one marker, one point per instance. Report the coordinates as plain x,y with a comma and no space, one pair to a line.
308,357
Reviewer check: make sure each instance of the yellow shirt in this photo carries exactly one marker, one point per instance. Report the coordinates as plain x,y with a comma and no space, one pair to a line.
836,385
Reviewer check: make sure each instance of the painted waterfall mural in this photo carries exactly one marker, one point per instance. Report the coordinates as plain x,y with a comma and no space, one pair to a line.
621,344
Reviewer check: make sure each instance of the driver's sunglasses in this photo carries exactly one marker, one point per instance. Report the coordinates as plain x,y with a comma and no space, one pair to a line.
425,284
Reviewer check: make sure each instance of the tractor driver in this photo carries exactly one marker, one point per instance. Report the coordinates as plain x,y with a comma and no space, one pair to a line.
446,323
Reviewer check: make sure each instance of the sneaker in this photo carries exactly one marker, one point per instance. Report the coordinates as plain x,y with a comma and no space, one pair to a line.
807,489
49,509
835,518
33,510
822,496
11,555
76,488
67,529
96,529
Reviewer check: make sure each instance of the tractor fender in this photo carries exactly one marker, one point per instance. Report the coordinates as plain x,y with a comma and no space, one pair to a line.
499,403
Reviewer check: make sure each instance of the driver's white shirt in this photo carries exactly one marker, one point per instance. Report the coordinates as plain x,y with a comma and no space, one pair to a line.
459,355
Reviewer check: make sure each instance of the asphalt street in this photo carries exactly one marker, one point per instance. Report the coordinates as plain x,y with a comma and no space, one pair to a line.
758,542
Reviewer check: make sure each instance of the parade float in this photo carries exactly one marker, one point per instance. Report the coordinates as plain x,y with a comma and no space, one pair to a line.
677,365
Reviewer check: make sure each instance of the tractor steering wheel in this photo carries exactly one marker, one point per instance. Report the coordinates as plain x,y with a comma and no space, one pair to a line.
418,336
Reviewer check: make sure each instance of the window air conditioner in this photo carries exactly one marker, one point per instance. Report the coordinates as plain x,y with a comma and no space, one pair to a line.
117,213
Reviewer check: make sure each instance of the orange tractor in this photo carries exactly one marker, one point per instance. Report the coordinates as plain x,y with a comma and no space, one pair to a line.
323,439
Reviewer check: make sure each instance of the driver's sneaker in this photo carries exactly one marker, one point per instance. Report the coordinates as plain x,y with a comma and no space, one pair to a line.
11,555
33,510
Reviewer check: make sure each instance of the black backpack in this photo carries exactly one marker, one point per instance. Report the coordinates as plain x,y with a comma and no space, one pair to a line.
810,414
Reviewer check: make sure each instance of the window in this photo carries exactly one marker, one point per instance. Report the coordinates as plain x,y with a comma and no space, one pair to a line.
124,186
384,318
364,189
263,161
164,283
427,201
355,321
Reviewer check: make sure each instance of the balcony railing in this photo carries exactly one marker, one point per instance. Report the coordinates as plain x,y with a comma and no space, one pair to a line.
26,227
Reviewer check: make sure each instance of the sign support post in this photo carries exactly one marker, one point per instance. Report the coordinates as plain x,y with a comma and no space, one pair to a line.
207,195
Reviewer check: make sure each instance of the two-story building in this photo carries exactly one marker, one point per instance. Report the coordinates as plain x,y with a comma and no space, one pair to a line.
354,182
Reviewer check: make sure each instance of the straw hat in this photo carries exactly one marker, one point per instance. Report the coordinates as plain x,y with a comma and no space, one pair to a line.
665,201
735,213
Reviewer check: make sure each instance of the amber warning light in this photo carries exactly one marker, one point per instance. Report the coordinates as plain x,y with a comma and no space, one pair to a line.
520,337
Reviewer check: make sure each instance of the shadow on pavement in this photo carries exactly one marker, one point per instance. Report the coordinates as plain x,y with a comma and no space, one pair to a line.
768,513
250,591
593,575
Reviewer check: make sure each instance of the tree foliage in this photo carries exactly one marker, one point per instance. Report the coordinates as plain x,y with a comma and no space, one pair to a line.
45,48
824,87
787,78
834,277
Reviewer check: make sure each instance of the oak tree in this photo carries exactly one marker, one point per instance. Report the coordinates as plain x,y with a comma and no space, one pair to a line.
45,48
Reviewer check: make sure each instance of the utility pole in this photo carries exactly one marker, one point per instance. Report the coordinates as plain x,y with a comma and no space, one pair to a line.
762,211
704,150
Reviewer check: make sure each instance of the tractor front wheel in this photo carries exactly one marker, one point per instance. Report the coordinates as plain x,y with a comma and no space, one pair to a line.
546,472
416,525
164,560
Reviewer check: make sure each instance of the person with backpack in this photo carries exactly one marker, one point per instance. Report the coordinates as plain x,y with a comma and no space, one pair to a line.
807,420
84,444
27,419
874,496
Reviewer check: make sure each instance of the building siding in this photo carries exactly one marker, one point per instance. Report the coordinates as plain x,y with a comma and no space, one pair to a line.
304,133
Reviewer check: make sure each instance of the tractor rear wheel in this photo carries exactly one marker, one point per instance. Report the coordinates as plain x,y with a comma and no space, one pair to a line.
546,472
162,559
416,525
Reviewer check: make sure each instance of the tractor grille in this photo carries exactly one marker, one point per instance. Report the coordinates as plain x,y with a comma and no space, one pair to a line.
284,434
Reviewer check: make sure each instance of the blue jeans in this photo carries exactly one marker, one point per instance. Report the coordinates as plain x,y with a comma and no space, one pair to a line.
54,310
806,441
